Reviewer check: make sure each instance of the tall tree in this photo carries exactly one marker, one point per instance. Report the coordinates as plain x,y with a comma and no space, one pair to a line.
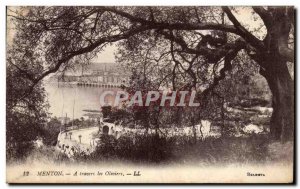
195,36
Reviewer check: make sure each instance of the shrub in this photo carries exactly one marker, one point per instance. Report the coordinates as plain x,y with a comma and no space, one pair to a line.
137,148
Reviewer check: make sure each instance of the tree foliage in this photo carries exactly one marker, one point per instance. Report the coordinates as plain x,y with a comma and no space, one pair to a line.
183,47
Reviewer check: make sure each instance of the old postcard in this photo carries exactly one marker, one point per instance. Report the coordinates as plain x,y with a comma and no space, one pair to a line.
150,94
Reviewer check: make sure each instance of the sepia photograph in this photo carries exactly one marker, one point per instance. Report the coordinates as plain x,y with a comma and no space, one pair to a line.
150,94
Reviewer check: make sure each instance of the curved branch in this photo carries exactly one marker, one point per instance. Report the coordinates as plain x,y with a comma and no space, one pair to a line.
86,49
172,26
213,55
227,67
264,15
242,31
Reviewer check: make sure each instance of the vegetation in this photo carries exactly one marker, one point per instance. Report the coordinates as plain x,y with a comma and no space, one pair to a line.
255,149
207,49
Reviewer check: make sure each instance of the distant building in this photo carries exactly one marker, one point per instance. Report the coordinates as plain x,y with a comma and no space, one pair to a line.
99,74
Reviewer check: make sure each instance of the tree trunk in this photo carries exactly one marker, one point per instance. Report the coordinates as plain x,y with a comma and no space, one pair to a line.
282,88
275,70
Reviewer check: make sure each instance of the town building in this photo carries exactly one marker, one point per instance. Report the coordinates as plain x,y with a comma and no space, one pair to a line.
98,75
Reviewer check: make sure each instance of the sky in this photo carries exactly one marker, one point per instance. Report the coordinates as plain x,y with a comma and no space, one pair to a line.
106,56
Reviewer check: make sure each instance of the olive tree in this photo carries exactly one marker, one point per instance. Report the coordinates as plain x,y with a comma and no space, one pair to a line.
58,38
